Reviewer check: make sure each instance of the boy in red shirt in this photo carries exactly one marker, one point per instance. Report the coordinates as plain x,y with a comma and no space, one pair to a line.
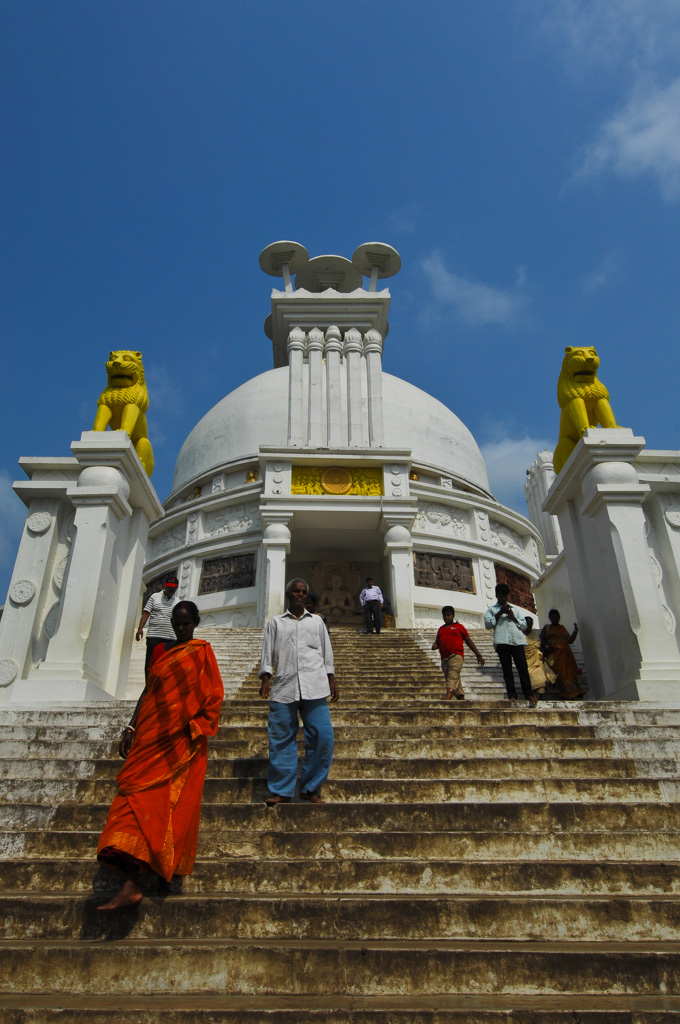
449,642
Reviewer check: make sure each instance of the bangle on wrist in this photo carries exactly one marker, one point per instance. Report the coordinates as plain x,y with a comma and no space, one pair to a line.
128,728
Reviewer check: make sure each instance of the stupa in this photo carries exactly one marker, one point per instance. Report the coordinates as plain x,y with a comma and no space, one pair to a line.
329,468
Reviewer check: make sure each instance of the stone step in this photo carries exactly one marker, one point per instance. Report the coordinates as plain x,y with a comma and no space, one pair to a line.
347,724
351,875
444,767
34,792
585,843
361,967
254,743
334,918
383,817
403,1009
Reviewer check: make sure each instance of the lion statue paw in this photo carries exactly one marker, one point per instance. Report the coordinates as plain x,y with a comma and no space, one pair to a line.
123,403
583,399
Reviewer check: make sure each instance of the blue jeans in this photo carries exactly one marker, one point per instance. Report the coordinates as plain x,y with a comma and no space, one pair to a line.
319,742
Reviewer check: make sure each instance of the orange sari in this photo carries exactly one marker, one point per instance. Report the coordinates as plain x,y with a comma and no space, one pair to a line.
155,816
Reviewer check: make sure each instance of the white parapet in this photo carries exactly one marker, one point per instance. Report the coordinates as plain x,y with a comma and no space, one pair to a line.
69,619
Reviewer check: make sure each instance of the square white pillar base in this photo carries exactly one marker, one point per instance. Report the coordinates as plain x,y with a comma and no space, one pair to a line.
56,691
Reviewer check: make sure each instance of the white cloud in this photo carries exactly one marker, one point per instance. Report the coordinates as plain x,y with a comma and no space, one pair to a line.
643,138
404,221
474,302
507,460
605,274
12,517
637,35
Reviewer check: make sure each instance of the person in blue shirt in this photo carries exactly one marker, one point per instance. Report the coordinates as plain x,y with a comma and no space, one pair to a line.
508,626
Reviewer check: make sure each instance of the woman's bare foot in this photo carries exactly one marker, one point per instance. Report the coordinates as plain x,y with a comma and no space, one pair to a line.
448,695
129,896
312,798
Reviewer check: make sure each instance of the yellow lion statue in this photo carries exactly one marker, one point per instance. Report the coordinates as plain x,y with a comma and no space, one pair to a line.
124,402
583,399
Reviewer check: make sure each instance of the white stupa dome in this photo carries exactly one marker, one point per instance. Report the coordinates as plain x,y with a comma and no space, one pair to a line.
257,414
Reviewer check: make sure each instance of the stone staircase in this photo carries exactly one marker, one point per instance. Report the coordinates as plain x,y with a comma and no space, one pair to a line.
476,862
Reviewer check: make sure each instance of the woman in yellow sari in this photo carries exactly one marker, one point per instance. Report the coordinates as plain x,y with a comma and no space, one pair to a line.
153,821
555,641
540,672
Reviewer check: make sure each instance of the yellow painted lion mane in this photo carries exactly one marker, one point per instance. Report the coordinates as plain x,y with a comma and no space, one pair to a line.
123,402
583,399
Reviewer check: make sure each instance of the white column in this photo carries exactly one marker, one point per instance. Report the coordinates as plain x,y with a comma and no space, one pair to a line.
333,393
27,595
100,499
276,546
315,344
540,477
373,346
399,551
353,352
296,348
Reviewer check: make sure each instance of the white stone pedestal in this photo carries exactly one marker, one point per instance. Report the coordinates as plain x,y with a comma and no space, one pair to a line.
68,624
629,645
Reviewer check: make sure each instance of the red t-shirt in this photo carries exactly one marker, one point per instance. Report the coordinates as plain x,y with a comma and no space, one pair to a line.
450,639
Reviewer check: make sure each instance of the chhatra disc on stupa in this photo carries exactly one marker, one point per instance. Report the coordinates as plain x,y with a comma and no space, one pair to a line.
280,254
324,272
372,255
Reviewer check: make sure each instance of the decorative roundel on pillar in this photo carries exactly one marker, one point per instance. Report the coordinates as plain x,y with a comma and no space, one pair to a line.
8,671
39,522
672,515
22,592
336,480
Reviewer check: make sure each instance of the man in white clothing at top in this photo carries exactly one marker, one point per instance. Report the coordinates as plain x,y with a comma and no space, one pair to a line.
297,673
371,601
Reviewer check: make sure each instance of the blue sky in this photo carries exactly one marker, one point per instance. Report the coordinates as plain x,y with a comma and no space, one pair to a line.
523,157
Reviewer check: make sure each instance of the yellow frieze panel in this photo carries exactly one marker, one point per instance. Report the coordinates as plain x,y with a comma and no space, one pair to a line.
336,480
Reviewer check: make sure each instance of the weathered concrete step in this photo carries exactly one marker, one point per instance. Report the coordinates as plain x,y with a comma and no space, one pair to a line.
444,767
491,712
347,875
254,744
344,918
343,968
339,1009
371,790
579,845
346,1010
408,721
364,817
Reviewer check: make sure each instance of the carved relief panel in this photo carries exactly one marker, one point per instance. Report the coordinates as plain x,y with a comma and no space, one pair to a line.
520,586
443,572
229,572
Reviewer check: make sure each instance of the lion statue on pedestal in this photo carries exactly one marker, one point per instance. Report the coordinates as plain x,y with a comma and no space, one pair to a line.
583,399
123,403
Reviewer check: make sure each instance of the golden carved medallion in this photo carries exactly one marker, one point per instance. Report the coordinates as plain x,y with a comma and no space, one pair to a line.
336,480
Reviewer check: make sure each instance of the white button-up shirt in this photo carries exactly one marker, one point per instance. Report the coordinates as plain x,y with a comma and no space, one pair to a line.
298,654
505,631
370,594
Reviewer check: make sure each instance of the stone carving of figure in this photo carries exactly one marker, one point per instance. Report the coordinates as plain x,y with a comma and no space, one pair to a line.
335,602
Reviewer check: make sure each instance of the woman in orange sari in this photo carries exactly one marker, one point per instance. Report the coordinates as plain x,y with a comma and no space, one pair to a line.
153,821
555,641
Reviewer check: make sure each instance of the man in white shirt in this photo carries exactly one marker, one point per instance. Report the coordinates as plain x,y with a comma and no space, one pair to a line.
371,601
158,612
297,673
508,626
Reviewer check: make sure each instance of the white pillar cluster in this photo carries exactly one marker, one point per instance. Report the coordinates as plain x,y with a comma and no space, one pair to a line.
353,405
68,625
630,650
